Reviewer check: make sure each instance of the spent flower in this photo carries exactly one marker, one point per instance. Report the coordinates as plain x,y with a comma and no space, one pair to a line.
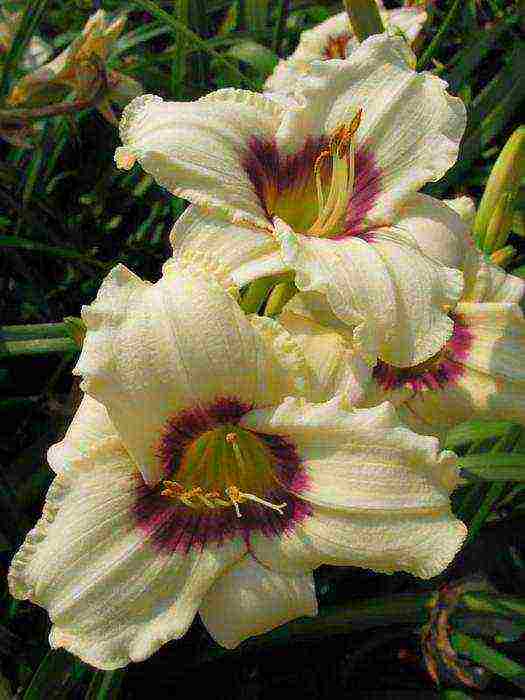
74,69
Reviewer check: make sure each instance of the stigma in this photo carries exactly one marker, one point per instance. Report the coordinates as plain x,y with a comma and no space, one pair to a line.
340,155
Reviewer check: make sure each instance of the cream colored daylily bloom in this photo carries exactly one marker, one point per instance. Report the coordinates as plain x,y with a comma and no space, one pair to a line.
478,373
37,52
74,69
319,187
193,480
334,38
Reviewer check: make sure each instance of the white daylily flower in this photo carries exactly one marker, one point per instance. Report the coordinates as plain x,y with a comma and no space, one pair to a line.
318,187
189,481
478,373
334,38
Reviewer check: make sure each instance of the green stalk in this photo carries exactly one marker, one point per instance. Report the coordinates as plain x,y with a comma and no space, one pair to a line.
440,35
364,17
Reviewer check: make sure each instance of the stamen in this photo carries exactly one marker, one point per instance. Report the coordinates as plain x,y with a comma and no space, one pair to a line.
341,149
195,497
279,507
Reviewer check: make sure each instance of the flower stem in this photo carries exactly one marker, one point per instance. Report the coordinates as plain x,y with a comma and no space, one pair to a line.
364,17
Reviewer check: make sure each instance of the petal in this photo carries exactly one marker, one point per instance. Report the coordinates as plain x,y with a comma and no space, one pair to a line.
411,127
487,282
251,600
490,377
361,459
380,492
439,231
113,598
498,339
154,349
388,289
245,253
408,20
422,545
196,149
90,424
334,365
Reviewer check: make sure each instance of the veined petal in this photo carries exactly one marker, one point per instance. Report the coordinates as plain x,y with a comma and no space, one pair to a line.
380,492
245,253
481,376
196,149
400,316
90,424
422,545
410,125
112,596
498,339
439,232
154,349
251,600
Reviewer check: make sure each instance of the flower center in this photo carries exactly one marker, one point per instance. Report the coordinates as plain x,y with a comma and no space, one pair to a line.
317,204
223,468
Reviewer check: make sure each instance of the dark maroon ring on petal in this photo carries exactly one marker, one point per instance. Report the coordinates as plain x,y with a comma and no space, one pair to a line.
435,374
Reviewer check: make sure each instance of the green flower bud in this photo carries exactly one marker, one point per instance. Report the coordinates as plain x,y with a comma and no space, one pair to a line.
495,214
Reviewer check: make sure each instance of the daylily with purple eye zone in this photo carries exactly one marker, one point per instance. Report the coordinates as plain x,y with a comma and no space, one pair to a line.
334,38
478,373
196,477
319,187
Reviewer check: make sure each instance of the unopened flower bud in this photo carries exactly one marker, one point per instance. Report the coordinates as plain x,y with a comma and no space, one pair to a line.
494,218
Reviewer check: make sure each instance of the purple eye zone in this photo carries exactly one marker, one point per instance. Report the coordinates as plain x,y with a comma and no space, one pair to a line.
171,526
